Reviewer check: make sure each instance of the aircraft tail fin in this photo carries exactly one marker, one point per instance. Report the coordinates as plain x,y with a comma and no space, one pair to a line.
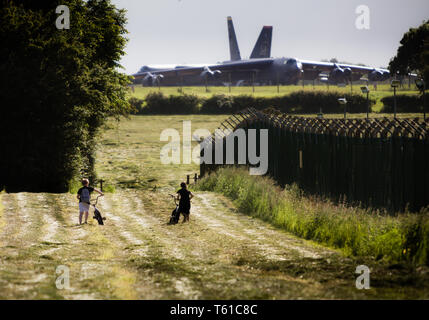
233,45
262,47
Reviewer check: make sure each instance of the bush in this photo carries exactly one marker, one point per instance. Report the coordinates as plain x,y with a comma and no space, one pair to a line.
301,102
136,105
405,104
158,103
57,91
416,245
245,101
183,104
357,231
218,104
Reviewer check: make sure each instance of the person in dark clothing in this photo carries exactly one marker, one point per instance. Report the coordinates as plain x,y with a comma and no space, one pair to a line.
184,196
84,196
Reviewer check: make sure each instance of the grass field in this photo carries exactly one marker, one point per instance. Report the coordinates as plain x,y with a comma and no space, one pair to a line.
382,91
221,254
129,153
356,231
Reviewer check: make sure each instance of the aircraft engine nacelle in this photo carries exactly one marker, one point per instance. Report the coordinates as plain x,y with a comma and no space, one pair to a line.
152,79
347,72
209,74
337,75
340,75
147,80
386,75
376,75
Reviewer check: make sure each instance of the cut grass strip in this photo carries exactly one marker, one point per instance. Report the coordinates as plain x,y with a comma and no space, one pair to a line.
357,231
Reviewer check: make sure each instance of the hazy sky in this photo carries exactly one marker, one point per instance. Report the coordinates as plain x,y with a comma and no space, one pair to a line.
195,31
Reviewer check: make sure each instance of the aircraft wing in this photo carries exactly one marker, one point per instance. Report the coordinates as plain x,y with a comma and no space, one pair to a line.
226,67
328,66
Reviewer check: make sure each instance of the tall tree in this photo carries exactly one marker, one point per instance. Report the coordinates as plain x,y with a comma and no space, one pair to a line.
58,87
413,53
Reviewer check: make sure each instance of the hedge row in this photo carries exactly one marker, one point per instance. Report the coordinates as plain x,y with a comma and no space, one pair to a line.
405,103
300,102
158,103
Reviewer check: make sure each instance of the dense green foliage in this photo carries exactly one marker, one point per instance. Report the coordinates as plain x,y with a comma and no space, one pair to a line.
58,88
157,103
301,102
405,104
413,53
357,231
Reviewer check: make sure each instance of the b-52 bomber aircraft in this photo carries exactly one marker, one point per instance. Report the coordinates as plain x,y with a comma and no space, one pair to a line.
259,68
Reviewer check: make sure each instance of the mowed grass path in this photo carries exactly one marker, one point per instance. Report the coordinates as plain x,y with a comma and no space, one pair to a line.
220,254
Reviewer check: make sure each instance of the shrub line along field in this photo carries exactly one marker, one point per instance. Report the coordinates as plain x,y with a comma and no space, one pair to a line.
382,91
221,254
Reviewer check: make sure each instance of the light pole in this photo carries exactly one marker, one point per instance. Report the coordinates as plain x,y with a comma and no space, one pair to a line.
364,90
394,84
158,79
320,114
230,83
422,87
343,101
